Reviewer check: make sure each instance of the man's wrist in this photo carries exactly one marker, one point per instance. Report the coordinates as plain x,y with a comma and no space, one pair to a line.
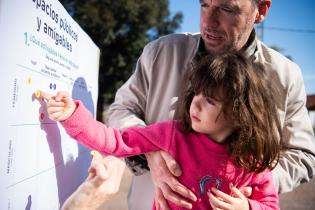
138,165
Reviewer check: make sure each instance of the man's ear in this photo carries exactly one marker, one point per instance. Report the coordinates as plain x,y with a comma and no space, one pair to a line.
263,8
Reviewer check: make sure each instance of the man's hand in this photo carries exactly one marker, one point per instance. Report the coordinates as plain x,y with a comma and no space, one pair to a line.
164,170
103,182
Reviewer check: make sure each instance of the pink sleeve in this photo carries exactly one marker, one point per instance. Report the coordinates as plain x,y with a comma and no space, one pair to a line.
96,135
264,195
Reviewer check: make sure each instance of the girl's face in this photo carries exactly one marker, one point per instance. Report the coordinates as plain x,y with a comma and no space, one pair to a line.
207,117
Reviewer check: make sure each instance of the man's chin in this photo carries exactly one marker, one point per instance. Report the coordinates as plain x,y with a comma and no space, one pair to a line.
218,49
215,51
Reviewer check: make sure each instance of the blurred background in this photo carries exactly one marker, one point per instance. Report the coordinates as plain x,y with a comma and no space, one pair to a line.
121,28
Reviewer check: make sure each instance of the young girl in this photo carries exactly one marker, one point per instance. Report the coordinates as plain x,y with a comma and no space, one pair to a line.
228,135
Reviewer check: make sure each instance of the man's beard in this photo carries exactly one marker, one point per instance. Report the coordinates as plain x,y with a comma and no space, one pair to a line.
224,49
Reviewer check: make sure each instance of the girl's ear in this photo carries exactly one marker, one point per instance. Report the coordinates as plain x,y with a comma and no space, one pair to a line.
263,9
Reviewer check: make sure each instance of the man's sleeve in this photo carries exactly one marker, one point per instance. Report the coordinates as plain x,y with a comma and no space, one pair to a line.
297,163
128,109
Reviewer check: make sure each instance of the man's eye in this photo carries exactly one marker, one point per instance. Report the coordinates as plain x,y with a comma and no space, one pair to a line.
227,9
203,5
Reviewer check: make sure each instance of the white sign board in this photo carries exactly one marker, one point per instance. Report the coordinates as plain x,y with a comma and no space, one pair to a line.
41,48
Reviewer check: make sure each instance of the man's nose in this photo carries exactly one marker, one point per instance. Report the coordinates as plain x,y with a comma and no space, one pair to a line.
212,17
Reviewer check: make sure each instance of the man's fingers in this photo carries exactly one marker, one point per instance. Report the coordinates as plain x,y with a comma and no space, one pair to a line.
96,159
171,196
160,164
184,191
171,164
98,180
98,168
160,202
90,176
156,202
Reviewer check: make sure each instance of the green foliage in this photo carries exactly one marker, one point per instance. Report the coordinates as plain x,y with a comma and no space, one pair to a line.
121,28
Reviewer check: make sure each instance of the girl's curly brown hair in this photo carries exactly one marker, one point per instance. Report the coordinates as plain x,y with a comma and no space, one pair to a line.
249,99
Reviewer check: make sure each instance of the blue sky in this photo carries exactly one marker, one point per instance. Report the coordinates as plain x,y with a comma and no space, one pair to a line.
283,14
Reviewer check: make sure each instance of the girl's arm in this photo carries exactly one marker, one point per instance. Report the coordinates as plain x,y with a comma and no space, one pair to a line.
80,125
96,135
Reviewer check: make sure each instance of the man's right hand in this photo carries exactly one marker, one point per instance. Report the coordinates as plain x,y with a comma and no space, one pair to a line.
164,171
103,182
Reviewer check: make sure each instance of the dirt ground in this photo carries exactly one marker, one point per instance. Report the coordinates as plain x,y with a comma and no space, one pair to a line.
302,198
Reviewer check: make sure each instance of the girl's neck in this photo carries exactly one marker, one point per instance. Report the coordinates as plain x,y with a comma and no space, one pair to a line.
219,138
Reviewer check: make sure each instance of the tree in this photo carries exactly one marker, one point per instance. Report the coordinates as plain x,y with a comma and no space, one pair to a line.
120,29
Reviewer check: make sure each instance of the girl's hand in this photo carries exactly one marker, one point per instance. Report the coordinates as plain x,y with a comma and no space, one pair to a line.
59,107
220,200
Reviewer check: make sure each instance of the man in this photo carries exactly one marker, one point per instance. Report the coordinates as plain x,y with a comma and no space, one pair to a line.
151,95
102,183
